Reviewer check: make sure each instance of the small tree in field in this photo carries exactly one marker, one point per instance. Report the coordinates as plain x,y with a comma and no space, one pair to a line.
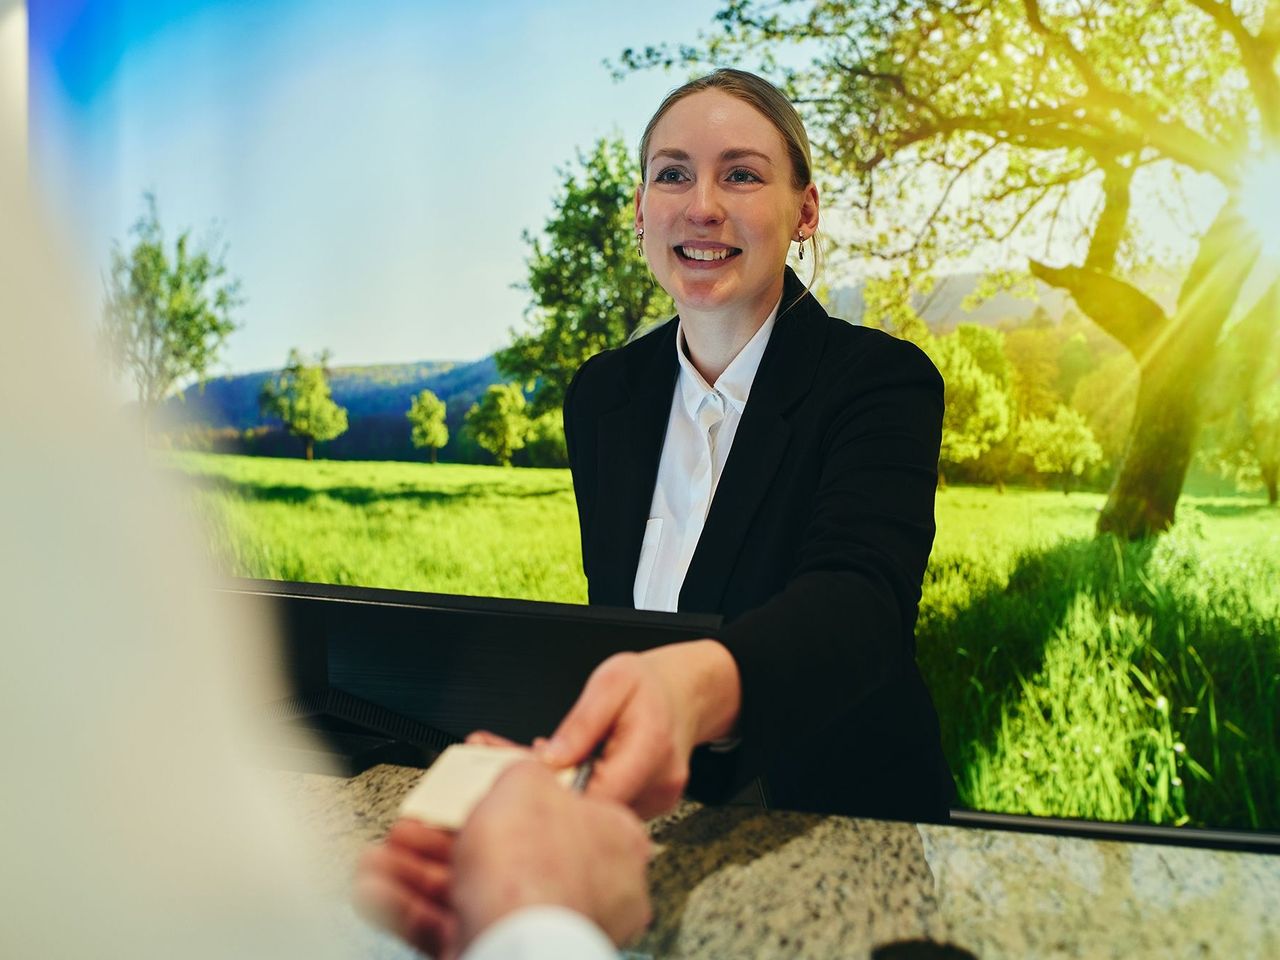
167,313
499,422
1061,446
978,406
426,416
299,395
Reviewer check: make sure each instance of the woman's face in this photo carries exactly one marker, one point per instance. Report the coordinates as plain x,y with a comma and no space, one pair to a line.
718,207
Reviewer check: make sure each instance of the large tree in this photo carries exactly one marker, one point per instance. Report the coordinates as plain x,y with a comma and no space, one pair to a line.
590,286
299,395
167,311
1032,129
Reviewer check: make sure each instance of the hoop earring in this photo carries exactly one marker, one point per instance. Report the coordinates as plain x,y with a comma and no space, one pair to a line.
640,241
800,240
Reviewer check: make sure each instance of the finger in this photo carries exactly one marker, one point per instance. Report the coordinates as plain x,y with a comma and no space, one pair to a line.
633,760
416,836
594,714
429,879
386,904
485,738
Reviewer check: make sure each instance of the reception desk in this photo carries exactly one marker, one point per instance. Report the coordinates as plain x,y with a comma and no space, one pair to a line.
736,882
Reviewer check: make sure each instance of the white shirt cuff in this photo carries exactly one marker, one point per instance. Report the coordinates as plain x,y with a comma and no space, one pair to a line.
542,932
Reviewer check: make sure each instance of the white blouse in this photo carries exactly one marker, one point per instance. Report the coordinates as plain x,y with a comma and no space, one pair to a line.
700,430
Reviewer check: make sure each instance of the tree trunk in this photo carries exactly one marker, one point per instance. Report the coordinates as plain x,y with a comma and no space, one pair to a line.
310,449
433,454
1175,367
1271,478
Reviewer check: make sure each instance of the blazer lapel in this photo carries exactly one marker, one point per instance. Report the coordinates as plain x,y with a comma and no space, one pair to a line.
785,375
630,447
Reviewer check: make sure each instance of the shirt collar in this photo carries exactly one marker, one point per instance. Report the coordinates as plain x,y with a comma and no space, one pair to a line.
734,384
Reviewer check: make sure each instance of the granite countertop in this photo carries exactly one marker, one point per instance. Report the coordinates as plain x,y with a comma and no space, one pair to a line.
732,882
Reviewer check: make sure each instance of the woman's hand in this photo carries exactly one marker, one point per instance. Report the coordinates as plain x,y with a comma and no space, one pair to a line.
649,710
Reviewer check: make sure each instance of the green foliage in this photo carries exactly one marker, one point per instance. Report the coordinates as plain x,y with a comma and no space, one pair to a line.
299,396
166,316
1242,436
1033,356
1107,396
591,288
1245,443
978,406
889,304
499,423
1062,446
426,418
545,446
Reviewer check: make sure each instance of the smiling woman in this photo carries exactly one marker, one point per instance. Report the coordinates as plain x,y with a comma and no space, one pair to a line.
757,459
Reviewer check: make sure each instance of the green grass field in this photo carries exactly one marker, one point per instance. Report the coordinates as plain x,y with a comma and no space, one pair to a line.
1074,676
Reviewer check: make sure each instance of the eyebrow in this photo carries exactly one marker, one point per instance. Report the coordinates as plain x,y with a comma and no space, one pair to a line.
733,153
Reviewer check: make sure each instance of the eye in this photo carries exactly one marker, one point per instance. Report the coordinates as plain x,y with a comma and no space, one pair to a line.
669,175
742,175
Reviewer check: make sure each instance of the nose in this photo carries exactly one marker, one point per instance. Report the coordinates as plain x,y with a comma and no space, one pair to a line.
704,203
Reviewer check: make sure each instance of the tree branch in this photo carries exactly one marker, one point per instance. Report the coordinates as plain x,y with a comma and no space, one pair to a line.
1109,228
1117,307
1257,56
1178,140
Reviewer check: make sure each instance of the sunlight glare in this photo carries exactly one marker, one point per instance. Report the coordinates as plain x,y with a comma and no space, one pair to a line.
1260,201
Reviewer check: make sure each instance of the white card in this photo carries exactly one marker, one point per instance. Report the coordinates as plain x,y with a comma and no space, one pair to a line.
458,780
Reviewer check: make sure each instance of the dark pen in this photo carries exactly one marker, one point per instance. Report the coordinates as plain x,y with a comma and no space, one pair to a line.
582,773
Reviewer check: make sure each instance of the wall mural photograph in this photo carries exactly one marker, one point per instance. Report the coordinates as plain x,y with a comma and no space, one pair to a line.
350,257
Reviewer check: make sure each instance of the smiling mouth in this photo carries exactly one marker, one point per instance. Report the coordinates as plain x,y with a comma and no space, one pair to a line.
696,253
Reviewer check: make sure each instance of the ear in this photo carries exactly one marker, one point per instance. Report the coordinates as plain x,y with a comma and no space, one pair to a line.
808,222
639,212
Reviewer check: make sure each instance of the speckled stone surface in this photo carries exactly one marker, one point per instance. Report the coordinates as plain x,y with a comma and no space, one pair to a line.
733,882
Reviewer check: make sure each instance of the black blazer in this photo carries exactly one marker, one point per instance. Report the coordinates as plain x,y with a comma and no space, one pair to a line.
814,550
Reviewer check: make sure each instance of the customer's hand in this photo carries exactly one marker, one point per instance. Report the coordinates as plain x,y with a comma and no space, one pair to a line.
649,710
404,886
531,841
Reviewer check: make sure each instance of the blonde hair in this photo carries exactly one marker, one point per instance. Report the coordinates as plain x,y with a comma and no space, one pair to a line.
771,104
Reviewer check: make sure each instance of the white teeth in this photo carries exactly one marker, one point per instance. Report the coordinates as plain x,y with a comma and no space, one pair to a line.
694,253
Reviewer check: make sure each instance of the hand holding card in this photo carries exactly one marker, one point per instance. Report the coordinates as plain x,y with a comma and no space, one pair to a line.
459,779
524,838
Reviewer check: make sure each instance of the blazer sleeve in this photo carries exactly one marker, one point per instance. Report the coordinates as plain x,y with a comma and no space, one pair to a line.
580,447
842,627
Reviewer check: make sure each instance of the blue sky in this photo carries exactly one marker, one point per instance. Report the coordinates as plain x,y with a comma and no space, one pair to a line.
369,165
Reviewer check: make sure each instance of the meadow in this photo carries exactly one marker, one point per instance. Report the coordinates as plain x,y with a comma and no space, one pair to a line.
1075,676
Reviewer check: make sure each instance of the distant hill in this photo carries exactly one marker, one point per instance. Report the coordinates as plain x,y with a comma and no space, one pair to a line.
225,414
